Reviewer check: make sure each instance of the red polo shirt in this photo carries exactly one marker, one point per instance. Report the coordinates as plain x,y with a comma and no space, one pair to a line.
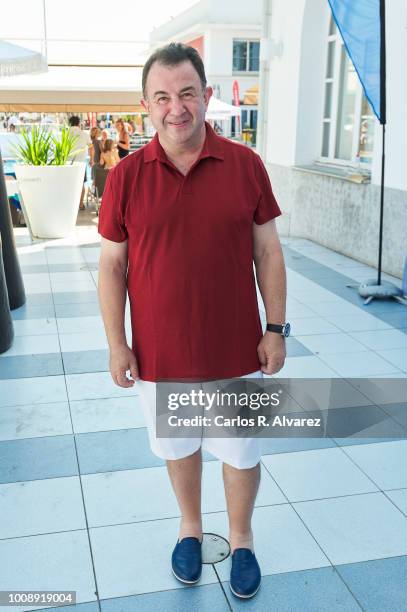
190,281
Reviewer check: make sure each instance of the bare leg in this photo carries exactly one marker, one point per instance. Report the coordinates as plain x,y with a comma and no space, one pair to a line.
185,475
81,205
241,488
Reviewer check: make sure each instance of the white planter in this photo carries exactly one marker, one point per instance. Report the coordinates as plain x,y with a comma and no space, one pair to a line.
51,196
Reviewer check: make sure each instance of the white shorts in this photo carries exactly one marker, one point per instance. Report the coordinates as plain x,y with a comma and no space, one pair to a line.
241,453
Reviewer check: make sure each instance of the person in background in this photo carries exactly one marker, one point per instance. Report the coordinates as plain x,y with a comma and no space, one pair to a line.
109,157
95,149
81,149
123,142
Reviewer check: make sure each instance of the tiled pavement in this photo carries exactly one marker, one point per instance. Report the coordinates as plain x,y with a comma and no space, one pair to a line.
86,506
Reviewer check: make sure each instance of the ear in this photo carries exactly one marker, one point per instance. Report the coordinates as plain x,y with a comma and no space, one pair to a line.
207,95
144,104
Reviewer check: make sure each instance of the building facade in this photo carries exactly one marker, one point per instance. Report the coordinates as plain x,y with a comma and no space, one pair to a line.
319,139
227,36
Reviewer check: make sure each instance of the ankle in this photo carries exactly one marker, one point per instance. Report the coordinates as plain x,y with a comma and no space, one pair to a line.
241,540
190,529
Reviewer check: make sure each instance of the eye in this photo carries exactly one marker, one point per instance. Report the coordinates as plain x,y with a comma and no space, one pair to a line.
162,100
187,95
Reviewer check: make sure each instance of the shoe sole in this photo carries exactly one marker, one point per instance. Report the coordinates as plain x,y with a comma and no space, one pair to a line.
243,596
186,581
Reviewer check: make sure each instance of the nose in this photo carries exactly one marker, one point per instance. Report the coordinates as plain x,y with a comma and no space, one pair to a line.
176,106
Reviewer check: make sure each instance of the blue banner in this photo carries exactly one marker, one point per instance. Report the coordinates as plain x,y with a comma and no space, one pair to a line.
359,23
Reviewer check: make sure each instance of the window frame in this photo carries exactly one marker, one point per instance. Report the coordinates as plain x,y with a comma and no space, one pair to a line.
335,80
247,41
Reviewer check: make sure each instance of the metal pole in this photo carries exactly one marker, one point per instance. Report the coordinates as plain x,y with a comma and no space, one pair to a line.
383,122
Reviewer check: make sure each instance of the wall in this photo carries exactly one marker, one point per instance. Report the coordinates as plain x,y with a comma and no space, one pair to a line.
331,211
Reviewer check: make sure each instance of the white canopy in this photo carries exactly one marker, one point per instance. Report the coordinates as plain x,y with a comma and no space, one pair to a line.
218,110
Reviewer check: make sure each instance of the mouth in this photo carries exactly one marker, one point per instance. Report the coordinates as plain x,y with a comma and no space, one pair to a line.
178,124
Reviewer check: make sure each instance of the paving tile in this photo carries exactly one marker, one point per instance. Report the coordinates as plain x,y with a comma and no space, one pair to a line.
27,311
81,309
378,585
316,590
57,505
78,286
357,322
315,325
205,598
121,572
37,299
356,528
131,495
48,562
295,348
295,473
37,283
396,319
35,327
83,341
305,367
75,297
298,310
33,345
125,449
70,278
80,362
281,541
32,421
399,497
107,414
382,462
80,607
37,458
39,390
396,356
96,385
28,366
271,446
382,339
81,324
359,364
335,308
332,343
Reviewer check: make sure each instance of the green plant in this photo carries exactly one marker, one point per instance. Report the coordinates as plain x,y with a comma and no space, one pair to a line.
42,148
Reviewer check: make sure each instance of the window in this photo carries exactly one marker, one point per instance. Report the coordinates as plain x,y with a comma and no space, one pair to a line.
246,55
348,121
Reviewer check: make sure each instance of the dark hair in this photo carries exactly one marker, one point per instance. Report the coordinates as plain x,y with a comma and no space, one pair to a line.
74,121
172,55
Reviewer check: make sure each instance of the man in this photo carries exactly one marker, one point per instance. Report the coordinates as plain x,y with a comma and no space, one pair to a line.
181,221
81,149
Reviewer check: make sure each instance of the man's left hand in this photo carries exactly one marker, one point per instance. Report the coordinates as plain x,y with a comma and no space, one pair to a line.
271,352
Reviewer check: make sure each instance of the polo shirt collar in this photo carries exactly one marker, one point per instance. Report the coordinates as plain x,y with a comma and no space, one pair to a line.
212,147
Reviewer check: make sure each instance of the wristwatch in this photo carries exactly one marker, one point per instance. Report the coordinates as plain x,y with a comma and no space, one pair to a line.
283,330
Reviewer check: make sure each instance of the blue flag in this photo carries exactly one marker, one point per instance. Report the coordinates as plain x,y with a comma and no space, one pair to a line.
360,25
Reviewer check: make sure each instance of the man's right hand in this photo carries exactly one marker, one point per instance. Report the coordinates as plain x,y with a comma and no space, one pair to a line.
121,360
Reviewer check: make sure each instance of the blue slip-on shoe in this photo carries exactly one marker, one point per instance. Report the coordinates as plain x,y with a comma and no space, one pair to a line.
186,560
245,575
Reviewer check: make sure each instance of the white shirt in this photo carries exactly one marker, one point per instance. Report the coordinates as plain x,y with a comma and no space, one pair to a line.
81,145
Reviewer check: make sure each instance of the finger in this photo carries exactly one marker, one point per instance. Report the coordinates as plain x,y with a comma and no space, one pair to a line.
134,371
122,379
262,356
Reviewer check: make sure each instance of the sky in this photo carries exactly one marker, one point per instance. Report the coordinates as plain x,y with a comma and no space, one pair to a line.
84,21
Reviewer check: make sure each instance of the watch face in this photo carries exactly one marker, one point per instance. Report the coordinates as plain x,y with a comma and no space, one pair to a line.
286,330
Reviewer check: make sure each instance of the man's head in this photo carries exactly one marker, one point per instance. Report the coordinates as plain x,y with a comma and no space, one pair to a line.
175,93
74,121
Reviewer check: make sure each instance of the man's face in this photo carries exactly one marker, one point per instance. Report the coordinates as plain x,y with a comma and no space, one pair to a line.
176,102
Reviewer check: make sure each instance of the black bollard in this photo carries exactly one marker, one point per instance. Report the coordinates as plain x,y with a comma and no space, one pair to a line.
12,271
6,323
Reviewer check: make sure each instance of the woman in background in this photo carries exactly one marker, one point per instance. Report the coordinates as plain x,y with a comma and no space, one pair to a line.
109,156
123,143
95,149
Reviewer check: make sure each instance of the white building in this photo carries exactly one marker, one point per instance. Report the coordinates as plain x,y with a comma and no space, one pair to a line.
227,36
316,127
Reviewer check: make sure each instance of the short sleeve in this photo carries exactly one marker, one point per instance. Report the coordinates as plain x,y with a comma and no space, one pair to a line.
267,207
112,210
